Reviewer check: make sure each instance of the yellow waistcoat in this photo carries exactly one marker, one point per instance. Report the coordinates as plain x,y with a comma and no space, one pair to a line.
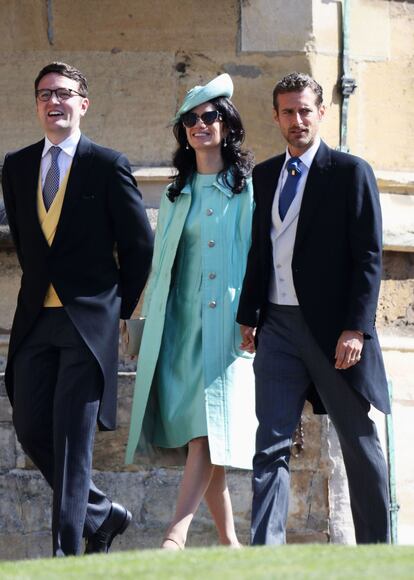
49,221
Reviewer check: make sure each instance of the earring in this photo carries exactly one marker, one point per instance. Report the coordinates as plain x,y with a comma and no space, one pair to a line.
187,146
224,142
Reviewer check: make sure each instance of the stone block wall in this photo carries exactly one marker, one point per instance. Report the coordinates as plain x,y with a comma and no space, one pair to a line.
140,59
25,499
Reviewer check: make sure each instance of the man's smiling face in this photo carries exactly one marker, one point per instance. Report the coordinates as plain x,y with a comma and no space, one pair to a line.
60,119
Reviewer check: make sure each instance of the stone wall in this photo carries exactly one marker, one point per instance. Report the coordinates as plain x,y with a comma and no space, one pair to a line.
140,58
148,492
25,499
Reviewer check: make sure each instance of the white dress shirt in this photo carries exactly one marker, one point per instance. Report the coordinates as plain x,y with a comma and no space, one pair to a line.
65,158
283,233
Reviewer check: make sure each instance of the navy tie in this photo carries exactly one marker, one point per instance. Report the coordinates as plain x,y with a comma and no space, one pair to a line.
51,185
291,185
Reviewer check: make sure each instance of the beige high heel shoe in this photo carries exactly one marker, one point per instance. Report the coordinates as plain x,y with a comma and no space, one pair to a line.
171,544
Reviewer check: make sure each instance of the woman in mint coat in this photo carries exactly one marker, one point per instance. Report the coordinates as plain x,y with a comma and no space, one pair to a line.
194,394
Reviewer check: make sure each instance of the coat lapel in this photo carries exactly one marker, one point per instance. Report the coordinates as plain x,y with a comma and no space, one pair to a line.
268,190
30,185
316,190
77,183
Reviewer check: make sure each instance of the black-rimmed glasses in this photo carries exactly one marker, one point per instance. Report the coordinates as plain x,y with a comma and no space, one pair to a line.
208,118
61,94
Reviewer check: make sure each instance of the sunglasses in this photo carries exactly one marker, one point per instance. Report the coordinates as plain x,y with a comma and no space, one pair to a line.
208,118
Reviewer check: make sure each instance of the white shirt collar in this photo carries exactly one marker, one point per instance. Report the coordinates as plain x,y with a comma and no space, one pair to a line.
69,145
309,154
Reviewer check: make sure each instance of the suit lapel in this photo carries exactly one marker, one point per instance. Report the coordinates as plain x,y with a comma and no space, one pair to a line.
270,179
30,185
316,190
77,182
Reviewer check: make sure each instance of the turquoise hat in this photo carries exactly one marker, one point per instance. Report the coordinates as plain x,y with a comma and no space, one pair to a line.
221,86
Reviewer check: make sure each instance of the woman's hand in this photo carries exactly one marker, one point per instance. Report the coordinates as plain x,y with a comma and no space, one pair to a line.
247,333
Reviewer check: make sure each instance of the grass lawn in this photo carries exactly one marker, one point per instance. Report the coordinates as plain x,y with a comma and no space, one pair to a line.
294,562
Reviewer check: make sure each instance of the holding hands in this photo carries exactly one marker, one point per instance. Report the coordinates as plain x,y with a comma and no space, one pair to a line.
247,333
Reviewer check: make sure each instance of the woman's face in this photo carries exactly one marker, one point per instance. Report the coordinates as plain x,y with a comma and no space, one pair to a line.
202,136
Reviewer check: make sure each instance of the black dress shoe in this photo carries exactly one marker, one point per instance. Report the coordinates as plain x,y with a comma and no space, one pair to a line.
116,523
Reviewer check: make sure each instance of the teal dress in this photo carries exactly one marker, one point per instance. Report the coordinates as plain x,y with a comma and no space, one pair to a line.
181,413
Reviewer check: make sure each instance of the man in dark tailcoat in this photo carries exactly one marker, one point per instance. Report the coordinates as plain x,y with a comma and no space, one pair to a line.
70,203
308,306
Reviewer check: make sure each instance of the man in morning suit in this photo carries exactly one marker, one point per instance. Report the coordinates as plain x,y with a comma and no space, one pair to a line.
70,202
311,290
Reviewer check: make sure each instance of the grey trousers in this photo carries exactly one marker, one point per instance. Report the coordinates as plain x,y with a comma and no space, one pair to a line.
287,361
57,390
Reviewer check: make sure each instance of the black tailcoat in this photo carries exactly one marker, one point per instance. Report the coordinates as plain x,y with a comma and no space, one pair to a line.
336,263
102,210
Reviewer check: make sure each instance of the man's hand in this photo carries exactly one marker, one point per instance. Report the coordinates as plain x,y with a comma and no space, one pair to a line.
247,334
348,349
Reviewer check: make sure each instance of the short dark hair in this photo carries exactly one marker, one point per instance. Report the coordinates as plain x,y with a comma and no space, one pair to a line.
296,82
61,68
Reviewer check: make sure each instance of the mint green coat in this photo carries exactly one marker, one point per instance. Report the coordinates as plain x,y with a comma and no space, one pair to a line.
228,373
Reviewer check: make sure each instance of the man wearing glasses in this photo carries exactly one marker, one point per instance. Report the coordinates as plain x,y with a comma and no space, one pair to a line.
69,203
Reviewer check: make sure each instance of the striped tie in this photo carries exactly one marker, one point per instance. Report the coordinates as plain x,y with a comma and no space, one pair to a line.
51,185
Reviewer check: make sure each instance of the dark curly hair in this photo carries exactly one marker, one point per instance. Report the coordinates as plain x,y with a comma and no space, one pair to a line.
237,162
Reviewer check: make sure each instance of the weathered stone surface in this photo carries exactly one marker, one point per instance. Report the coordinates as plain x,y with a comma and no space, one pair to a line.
138,75
400,367
5,410
396,300
25,502
398,221
19,546
266,25
7,447
10,274
141,26
310,456
341,528
151,493
137,78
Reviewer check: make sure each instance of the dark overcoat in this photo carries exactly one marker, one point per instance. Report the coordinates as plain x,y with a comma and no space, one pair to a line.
102,210
336,264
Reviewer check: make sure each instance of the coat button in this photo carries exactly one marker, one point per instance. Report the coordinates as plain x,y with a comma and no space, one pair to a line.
212,275
211,244
212,304
209,211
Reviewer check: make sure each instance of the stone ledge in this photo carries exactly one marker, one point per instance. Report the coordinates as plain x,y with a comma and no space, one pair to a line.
395,342
162,174
388,181
401,182
397,202
150,494
398,221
